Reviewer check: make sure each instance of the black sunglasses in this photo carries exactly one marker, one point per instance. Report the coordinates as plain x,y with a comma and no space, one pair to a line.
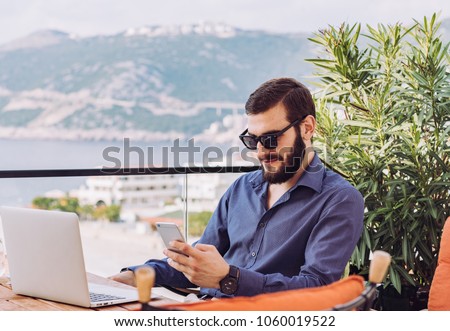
269,140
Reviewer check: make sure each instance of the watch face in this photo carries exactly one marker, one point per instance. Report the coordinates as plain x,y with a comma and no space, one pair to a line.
229,284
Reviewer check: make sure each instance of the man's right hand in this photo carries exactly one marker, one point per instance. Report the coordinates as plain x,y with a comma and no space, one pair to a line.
126,277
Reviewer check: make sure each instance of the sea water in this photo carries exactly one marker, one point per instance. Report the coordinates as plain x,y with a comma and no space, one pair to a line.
45,154
61,154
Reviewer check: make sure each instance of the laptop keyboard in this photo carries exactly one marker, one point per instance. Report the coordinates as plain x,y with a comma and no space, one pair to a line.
96,297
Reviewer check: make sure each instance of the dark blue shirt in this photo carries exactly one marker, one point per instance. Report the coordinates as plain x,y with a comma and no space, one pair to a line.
304,240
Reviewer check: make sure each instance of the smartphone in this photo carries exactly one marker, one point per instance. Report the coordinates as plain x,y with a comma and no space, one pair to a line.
170,232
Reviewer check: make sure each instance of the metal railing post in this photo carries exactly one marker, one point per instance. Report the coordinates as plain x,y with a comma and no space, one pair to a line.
185,212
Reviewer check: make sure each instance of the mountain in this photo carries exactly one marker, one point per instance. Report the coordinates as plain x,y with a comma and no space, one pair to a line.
38,39
158,82
147,83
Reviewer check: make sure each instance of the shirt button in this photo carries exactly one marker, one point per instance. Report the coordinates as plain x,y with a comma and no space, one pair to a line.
253,254
261,225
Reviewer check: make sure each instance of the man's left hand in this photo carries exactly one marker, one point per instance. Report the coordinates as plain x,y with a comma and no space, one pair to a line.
203,265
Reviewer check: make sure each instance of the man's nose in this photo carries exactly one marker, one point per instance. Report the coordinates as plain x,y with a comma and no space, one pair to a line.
260,147
261,151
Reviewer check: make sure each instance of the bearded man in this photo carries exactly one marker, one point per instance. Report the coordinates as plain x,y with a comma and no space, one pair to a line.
292,224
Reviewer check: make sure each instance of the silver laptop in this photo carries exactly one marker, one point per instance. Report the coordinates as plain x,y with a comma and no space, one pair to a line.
45,258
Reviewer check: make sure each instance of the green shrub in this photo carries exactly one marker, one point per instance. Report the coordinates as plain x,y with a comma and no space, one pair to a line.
383,110
197,222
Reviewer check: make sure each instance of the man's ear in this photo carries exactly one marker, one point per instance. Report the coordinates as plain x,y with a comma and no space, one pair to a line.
308,127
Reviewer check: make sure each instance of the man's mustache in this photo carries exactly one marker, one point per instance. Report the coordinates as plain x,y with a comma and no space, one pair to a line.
279,156
271,157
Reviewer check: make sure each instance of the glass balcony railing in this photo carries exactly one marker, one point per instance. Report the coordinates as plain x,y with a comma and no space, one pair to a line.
118,207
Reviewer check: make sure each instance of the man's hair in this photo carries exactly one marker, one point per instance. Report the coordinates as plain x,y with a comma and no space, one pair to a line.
294,96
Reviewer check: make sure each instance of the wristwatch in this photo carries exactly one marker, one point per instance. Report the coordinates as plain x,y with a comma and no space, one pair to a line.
229,284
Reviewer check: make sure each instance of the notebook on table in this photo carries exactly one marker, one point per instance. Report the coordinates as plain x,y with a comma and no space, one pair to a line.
45,258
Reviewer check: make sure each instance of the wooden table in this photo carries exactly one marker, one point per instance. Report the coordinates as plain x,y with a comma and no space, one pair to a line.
11,301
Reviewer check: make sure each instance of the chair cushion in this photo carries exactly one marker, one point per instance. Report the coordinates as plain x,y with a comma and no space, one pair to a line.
440,286
317,298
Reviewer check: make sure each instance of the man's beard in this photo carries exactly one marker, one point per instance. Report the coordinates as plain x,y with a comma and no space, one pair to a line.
291,163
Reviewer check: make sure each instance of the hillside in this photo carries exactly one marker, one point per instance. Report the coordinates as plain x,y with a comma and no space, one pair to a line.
148,83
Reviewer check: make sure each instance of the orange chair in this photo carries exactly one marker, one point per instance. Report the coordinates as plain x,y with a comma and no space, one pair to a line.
346,294
440,285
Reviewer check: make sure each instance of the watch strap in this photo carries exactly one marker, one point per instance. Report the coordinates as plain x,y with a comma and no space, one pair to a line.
234,272
229,284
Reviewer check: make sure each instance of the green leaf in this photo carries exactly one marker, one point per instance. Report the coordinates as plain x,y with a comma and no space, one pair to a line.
393,85
395,279
405,248
404,275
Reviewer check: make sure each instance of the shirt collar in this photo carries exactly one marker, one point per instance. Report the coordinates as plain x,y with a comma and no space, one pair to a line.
312,177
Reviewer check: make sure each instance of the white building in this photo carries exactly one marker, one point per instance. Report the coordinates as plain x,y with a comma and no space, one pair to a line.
137,195
205,190
144,196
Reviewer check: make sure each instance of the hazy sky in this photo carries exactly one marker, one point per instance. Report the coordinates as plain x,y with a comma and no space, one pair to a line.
88,17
